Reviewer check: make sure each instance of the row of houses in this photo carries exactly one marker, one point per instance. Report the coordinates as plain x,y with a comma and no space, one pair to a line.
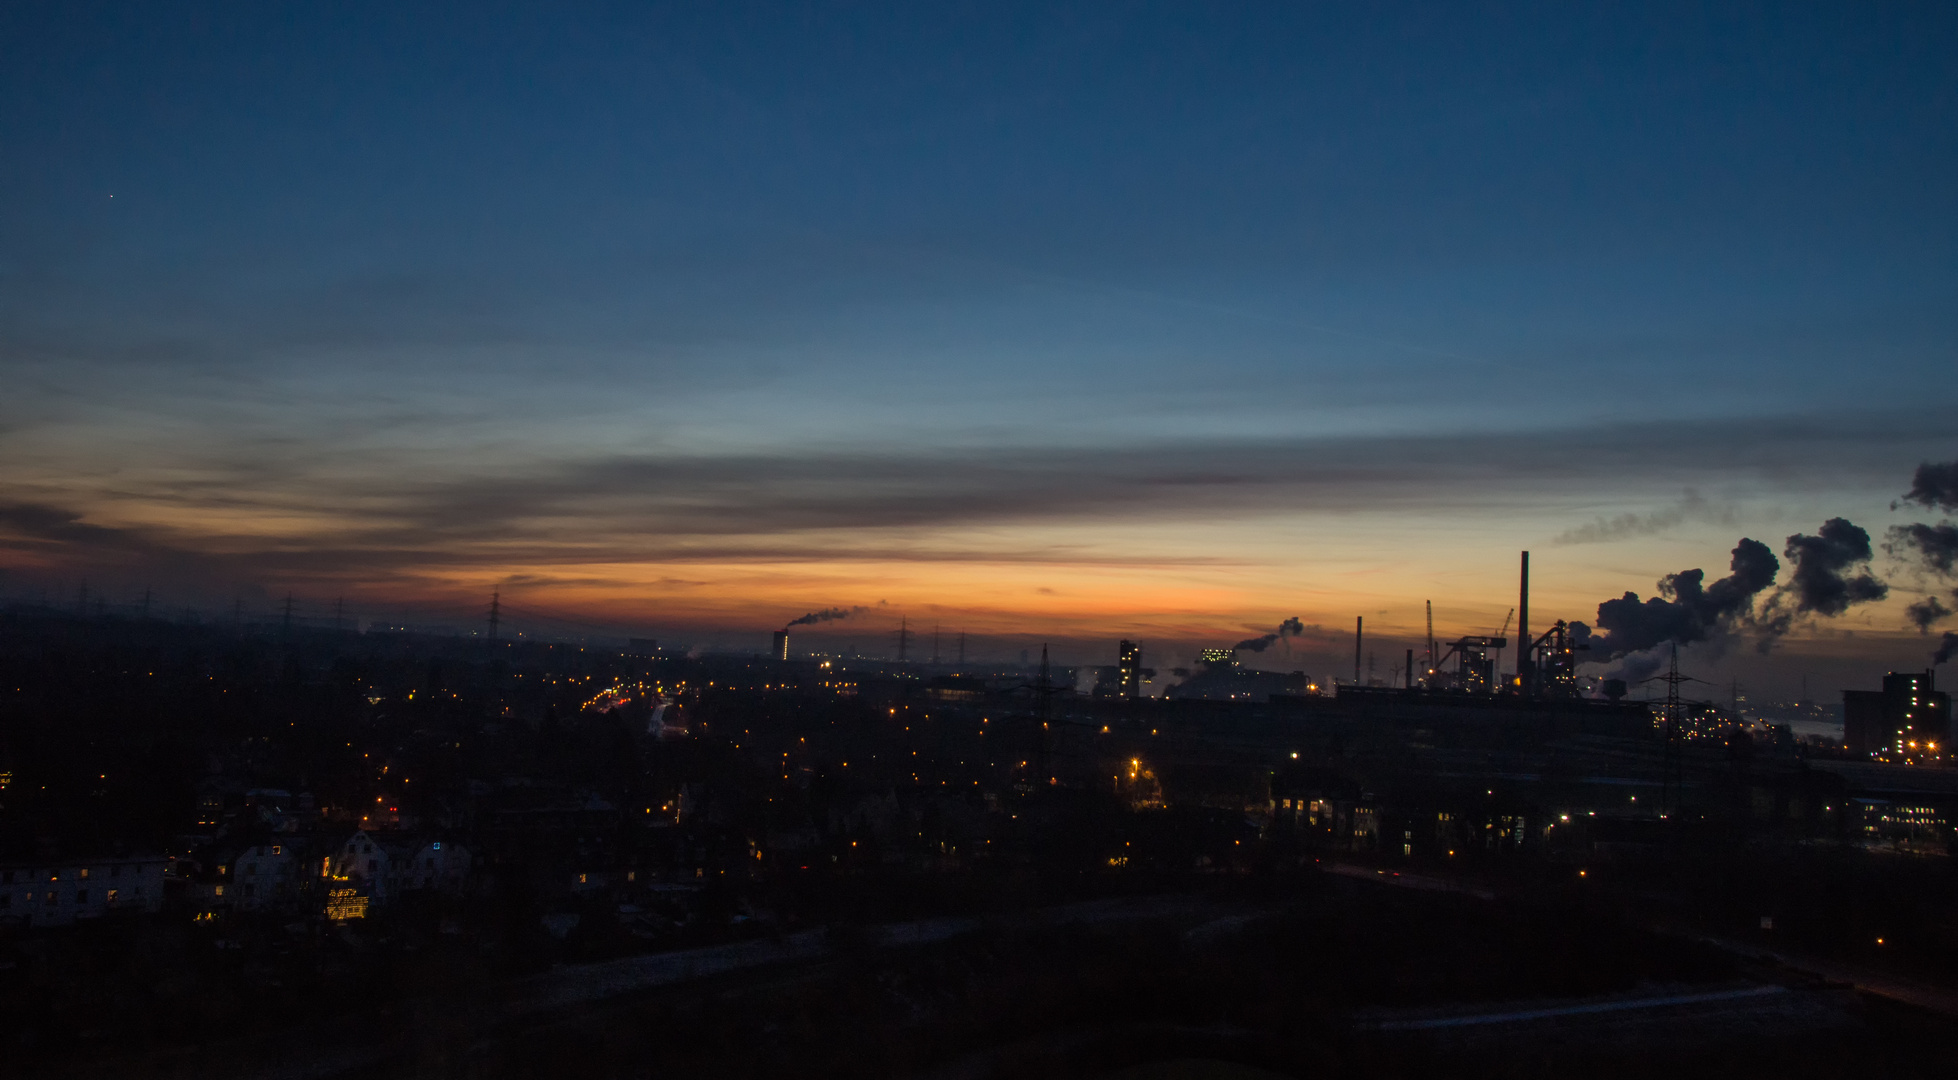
282,874
59,893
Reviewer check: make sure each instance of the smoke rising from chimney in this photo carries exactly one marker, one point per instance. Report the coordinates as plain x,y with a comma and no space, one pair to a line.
1945,649
1289,628
823,616
1686,609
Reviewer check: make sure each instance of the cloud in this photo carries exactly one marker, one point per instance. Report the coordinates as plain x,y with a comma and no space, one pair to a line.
1927,613
276,510
1936,545
1945,648
1935,486
1692,507
1823,581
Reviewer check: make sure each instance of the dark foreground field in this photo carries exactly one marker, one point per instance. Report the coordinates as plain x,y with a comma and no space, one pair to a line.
1322,976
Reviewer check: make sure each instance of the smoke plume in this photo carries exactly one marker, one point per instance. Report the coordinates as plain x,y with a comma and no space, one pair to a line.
1687,609
1927,613
1935,486
1945,649
1822,582
1290,628
822,616
1936,545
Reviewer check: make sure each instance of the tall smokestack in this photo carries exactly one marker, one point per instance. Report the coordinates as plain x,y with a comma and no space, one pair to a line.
778,649
1524,676
1407,673
1359,634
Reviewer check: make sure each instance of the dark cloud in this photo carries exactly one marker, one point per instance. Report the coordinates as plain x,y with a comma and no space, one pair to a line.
383,525
1935,486
1256,644
1927,613
1824,581
1945,648
1291,627
1936,545
1687,610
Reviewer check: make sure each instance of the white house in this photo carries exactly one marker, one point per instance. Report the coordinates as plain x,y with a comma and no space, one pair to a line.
380,867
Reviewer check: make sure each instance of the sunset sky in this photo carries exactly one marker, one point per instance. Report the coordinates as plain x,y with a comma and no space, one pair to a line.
1044,322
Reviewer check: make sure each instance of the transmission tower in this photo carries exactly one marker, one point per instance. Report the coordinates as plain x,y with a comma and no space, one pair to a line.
1674,764
495,613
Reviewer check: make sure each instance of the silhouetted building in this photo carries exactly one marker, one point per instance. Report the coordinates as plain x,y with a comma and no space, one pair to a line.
1908,720
778,647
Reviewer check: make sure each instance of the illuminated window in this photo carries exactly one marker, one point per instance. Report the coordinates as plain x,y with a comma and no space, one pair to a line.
84,873
112,897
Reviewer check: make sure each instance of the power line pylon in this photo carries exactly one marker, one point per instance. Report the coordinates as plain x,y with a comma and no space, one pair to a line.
1674,765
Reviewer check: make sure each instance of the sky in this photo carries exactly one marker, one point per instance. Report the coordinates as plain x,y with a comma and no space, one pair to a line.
1036,322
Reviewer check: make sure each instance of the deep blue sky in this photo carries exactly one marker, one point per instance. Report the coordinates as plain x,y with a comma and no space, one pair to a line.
265,261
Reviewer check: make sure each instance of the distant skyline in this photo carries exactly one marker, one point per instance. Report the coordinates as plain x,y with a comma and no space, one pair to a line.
1068,322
